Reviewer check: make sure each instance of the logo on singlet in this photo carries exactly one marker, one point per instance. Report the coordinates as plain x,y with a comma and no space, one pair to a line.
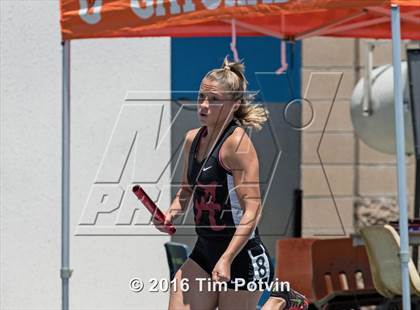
207,168
206,202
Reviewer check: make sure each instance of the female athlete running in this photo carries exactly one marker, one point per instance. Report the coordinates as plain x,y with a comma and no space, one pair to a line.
221,177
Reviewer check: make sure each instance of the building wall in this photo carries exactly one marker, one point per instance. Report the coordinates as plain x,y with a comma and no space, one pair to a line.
351,170
102,73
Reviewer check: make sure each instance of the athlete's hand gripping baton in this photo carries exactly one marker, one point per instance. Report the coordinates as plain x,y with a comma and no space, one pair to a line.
153,209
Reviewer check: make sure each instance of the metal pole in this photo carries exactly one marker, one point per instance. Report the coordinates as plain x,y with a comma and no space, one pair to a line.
65,271
367,94
400,146
415,251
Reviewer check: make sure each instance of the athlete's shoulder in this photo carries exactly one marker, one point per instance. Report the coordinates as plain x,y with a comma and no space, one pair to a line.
190,135
239,139
238,151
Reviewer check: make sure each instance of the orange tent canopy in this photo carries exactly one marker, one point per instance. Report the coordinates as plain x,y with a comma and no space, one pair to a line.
289,19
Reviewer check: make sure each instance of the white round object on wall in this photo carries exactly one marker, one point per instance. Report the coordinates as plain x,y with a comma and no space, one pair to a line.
378,129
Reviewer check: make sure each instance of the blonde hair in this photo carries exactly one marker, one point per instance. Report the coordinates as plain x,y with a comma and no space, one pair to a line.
231,76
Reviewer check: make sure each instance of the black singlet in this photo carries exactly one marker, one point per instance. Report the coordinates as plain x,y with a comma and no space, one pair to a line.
217,211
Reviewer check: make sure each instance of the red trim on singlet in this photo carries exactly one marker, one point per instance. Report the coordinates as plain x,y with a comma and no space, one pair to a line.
219,159
202,133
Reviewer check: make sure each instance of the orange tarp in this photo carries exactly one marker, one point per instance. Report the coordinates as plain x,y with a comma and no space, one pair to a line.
191,18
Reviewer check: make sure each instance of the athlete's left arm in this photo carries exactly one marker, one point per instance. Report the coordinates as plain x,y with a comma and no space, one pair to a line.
239,155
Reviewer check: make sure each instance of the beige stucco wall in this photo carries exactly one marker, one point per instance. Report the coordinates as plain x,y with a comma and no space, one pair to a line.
353,169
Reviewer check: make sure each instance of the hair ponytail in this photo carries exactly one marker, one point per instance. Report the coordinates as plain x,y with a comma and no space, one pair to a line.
231,76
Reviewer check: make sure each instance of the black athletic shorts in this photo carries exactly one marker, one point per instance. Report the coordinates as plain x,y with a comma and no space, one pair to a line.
252,264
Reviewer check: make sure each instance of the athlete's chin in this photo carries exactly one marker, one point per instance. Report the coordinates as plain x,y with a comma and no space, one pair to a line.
203,120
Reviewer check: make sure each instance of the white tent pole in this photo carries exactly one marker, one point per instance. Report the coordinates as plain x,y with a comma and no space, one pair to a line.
65,271
400,146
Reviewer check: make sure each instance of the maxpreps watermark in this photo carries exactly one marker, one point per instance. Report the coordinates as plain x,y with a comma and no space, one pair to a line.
138,152
141,150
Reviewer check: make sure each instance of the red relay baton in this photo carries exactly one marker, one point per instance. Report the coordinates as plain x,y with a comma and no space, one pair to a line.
153,209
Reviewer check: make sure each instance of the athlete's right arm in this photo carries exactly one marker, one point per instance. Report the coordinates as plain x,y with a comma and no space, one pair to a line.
180,203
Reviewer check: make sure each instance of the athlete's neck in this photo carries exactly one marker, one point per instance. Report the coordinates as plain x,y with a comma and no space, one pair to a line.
212,132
